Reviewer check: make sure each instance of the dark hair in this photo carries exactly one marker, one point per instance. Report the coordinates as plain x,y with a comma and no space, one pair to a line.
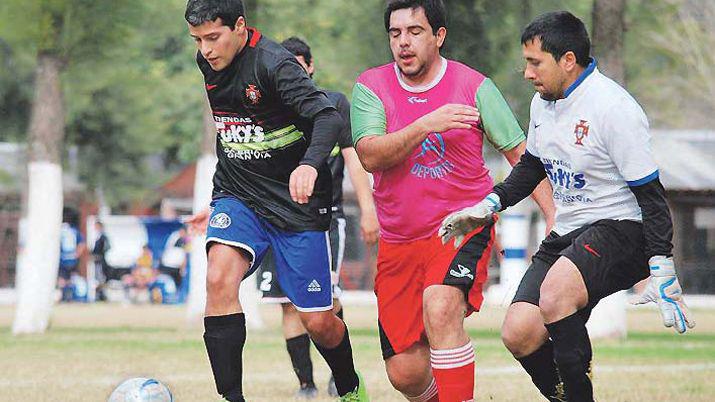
298,47
434,10
200,11
560,32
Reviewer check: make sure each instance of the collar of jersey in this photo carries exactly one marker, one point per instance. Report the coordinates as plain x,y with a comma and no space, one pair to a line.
426,87
581,78
254,35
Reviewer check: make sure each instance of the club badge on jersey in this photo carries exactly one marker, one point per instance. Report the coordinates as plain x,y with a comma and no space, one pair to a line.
581,131
253,94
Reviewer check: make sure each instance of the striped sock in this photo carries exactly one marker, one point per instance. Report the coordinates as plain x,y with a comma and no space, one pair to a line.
430,394
453,371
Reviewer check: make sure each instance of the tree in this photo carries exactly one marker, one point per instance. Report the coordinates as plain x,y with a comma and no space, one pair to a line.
62,32
608,37
609,317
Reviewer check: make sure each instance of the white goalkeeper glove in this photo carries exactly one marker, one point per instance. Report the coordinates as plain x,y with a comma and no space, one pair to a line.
663,289
460,223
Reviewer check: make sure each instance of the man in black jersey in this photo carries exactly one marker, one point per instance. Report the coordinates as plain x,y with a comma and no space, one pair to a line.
272,189
343,155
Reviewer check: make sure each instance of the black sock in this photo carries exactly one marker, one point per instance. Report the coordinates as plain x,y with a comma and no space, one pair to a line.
224,337
572,353
340,314
299,351
340,361
542,369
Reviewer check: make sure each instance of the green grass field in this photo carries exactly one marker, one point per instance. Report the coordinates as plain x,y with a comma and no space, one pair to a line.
91,348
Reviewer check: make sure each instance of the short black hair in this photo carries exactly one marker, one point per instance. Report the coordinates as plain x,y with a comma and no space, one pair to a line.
435,11
560,32
201,11
298,47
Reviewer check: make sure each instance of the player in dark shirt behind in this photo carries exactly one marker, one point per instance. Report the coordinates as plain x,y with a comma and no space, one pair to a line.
343,156
272,189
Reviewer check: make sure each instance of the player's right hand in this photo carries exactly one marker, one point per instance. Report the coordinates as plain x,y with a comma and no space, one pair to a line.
664,290
369,227
449,117
461,223
199,222
301,183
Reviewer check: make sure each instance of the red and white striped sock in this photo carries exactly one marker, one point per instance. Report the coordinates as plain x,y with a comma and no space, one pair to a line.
430,394
453,371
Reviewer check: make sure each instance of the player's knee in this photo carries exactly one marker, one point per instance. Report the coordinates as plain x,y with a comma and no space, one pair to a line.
515,338
549,301
289,309
221,282
318,323
404,379
443,312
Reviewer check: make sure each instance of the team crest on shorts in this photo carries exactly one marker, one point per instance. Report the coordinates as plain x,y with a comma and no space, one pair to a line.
581,131
220,221
253,94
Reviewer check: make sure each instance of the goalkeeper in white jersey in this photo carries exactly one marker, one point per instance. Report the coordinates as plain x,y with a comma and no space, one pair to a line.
590,138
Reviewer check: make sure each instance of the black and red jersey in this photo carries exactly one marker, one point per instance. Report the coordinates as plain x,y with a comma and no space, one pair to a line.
264,105
336,162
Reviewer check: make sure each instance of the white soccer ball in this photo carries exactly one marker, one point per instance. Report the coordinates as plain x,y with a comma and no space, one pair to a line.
141,390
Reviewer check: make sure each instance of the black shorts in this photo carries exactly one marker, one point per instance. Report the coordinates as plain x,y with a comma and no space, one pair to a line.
608,253
268,282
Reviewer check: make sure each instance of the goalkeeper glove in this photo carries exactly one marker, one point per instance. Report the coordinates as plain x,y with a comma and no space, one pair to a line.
460,223
663,289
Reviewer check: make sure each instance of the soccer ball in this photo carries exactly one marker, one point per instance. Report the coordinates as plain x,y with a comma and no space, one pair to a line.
141,390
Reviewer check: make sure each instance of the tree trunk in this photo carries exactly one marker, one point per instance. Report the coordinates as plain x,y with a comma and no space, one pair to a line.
37,274
203,186
608,319
525,15
608,33
251,7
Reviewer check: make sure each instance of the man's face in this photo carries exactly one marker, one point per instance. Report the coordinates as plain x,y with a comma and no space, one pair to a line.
414,46
218,43
309,68
546,74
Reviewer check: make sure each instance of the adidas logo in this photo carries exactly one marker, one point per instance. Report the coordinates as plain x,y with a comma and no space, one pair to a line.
314,286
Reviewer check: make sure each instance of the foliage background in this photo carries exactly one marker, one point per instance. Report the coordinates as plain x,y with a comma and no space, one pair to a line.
133,95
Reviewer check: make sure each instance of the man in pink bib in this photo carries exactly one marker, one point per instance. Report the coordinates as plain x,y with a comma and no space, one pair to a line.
419,125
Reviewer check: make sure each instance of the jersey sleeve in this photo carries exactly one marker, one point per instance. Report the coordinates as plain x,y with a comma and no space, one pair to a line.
367,113
627,140
345,139
297,91
500,125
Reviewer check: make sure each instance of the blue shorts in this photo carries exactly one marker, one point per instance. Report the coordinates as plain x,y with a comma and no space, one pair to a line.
302,258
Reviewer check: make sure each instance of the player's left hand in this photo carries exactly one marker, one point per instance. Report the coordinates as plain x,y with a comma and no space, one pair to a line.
461,223
301,183
663,289
199,222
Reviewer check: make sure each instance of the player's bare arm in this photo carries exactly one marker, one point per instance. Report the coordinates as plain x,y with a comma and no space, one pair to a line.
369,226
380,152
542,193
523,180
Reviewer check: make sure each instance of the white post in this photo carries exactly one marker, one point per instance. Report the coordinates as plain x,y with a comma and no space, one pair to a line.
608,319
38,267
514,239
203,186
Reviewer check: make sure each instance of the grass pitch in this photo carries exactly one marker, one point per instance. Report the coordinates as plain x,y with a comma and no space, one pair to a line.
92,348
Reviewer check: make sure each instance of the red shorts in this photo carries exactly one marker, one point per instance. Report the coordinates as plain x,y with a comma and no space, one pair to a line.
405,270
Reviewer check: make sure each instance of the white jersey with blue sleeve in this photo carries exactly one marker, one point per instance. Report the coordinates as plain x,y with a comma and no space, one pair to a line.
593,144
